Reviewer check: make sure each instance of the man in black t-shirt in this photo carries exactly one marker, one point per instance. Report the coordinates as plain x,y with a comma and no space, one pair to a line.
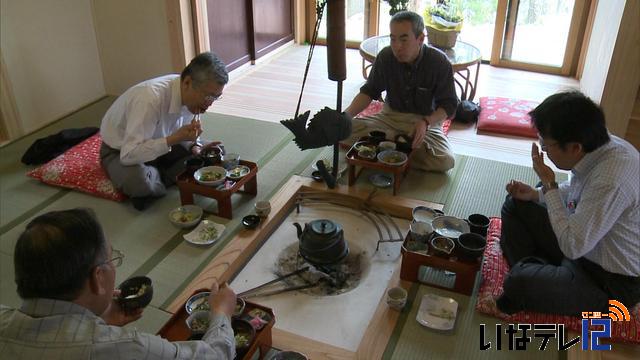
420,94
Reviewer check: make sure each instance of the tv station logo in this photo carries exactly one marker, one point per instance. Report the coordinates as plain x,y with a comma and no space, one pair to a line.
595,327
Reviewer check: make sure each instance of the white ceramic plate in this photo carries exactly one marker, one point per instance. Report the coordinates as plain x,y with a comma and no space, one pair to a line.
210,175
206,233
425,214
437,312
392,157
449,226
381,180
238,172
185,216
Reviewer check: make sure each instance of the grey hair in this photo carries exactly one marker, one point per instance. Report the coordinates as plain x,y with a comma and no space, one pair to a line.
204,68
416,21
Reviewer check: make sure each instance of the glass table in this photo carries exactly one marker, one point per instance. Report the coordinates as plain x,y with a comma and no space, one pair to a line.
462,57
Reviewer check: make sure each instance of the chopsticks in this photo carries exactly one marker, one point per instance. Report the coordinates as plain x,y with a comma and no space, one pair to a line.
253,292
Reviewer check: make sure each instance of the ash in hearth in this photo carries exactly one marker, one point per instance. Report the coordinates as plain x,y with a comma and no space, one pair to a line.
330,279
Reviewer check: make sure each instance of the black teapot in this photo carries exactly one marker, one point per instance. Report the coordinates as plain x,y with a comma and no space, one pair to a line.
322,242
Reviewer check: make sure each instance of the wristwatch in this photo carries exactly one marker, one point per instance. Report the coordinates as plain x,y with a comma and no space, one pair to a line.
548,186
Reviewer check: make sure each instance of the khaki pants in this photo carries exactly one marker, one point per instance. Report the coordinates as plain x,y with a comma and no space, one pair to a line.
435,155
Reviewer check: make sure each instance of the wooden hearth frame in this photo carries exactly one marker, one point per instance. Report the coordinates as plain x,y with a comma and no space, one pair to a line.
246,243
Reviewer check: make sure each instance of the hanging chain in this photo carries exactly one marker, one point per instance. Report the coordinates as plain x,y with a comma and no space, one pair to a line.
320,6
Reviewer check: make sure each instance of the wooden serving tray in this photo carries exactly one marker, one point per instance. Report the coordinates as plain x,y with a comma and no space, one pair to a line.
353,160
465,269
188,186
176,329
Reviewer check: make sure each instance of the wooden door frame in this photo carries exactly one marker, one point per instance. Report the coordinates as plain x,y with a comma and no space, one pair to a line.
10,122
579,20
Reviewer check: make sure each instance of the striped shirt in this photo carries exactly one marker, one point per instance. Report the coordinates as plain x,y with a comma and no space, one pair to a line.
596,214
54,329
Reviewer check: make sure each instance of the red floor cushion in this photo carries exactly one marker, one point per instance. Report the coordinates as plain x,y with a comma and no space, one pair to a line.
506,116
376,106
79,169
495,269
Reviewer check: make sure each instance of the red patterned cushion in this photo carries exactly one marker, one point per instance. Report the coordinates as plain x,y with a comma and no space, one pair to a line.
506,116
79,169
494,270
376,106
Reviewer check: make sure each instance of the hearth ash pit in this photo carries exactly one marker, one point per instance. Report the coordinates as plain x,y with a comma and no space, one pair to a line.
330,279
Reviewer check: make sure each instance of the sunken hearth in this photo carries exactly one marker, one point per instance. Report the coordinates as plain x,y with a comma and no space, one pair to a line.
322,280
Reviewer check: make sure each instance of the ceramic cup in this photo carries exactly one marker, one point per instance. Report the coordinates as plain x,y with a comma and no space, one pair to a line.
478,224
396,297
230,160
263,208
420,231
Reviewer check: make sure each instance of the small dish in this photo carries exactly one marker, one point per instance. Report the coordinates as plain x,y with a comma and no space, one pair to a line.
240,305
251,221
363,145
367,154
437,312
425,214
198,302
381,180
185,216
206,233
198,322
210,175
316,175
229,161
442,245
238,172
135,292
450,226
392,157
244,334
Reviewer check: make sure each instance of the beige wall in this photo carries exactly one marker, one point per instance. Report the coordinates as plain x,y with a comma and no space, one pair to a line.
600,48
611,73
133,39
51,57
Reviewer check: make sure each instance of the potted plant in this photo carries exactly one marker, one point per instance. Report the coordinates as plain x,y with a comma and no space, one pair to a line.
397,6
443,22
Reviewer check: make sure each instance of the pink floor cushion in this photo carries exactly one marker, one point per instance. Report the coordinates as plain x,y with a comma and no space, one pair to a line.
79,169
506,116
494,271
376,106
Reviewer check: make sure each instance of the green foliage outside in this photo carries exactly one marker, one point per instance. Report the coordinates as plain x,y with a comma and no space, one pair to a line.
476,12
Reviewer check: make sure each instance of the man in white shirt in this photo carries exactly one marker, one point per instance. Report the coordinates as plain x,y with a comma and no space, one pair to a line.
573,246
152,128
65,271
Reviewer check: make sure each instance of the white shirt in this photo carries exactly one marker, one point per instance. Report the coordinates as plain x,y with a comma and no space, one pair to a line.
597,213
140,119
55,329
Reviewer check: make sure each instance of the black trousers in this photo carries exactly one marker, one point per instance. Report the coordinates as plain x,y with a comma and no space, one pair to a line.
542,279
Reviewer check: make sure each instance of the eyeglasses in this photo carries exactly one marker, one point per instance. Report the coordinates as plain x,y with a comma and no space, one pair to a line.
212,98
544,146
118,256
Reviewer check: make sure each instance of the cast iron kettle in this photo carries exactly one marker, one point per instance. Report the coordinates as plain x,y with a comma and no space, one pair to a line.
322,242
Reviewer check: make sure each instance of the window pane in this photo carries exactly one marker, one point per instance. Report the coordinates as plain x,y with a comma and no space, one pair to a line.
479,20
354,25
541,32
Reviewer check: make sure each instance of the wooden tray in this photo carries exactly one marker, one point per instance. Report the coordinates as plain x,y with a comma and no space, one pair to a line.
176,329
465,269
188,186
353,160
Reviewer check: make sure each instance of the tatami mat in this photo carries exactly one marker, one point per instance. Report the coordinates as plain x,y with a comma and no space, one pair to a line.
411,340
